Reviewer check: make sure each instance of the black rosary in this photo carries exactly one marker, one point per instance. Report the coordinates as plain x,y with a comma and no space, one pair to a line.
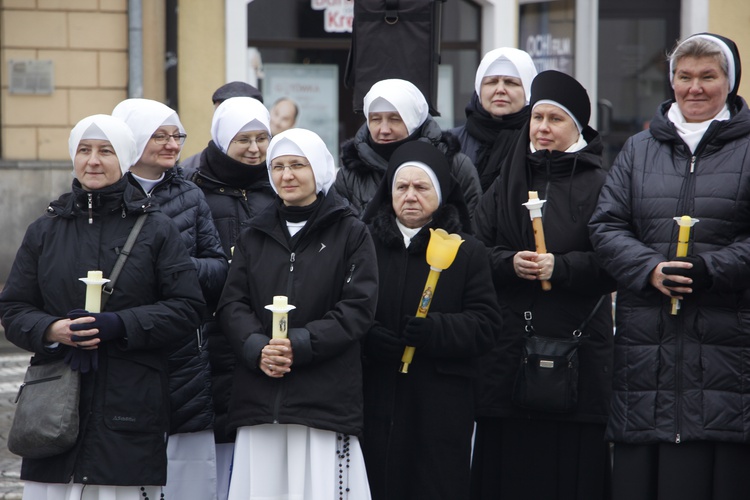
343,455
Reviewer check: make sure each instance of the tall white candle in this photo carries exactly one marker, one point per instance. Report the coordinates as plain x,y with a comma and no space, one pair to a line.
280,308
94,282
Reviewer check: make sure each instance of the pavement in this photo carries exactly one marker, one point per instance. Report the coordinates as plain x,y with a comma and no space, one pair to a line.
13,363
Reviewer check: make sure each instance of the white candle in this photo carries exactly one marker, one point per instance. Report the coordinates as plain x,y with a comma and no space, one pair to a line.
280,308
94,282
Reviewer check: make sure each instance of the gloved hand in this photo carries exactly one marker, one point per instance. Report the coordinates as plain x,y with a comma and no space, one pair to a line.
384,344
698,273
109,324
82,360
418,331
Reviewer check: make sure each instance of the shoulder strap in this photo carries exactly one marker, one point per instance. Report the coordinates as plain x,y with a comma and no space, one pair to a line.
579,331
109,287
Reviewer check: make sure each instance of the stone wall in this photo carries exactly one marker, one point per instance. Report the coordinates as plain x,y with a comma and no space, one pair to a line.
25,190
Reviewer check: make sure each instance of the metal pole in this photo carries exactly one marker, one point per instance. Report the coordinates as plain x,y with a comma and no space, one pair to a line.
135,49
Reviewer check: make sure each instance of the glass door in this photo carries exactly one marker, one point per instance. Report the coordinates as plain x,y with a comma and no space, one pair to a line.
634,39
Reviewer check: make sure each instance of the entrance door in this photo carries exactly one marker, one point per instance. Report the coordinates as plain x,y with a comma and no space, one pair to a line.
634,39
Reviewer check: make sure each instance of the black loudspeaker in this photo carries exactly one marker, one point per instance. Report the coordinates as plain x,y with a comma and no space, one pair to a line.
395,39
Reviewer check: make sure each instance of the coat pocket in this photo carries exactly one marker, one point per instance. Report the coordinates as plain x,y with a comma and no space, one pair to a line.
136,396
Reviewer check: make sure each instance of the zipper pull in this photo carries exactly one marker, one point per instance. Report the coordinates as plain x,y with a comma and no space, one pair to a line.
677,439
244,194
291,262
91,208
351,272
692,164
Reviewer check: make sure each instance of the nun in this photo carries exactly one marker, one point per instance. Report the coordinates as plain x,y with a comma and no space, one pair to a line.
540,451
159,138
418,425
497,111
121,450
231,172
297,401
397,113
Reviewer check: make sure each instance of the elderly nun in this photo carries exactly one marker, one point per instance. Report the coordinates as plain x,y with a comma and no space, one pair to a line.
418,425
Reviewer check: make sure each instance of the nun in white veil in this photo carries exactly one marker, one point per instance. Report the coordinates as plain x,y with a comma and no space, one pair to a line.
297,401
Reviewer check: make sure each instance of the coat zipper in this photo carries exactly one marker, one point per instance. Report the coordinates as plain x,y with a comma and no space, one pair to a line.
91,207
351,273
280,389
679,360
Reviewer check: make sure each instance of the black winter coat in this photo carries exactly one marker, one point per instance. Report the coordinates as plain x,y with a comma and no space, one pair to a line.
330,275
683,377
418,426
189,370
124,404
233,202
570,182
362,168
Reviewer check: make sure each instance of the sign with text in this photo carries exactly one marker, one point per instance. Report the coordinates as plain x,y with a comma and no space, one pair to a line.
547,33
338,16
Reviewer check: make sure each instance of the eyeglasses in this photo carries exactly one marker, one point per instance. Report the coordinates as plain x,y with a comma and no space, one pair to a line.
164,138
246,141
294,167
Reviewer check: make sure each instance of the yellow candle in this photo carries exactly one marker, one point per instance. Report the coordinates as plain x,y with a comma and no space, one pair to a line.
441,252
683,238
280,309
94,282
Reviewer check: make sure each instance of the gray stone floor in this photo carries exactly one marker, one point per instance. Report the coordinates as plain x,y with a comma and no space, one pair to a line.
13,362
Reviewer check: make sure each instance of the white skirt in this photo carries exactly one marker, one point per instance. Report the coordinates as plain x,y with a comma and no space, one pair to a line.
73,491
294,462
191,466
224,453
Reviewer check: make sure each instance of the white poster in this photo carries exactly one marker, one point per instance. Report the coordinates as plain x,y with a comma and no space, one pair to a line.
314,88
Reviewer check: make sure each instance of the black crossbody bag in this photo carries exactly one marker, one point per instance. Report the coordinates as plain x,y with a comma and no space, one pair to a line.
547,376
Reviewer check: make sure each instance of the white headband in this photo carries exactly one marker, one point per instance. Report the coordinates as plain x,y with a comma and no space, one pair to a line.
567,111
144,117
426,168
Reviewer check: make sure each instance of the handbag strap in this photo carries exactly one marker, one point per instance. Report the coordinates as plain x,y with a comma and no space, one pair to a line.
579,331
527,316
109,287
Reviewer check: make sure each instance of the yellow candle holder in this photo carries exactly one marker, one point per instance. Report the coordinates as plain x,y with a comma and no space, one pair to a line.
683,238
280,308
441,252
94,281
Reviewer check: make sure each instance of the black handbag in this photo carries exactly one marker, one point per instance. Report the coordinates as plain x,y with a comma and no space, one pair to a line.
547,377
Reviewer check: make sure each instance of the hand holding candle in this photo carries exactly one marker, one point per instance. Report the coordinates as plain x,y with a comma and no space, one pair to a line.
683,238
280,309
441,252
534,206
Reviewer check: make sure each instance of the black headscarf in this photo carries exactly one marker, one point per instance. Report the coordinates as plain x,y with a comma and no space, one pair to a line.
428,154
496,136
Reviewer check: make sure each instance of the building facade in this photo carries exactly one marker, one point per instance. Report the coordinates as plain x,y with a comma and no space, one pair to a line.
62,60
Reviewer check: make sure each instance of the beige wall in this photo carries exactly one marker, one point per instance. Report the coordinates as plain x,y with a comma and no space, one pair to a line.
731,18
87,42
201,68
